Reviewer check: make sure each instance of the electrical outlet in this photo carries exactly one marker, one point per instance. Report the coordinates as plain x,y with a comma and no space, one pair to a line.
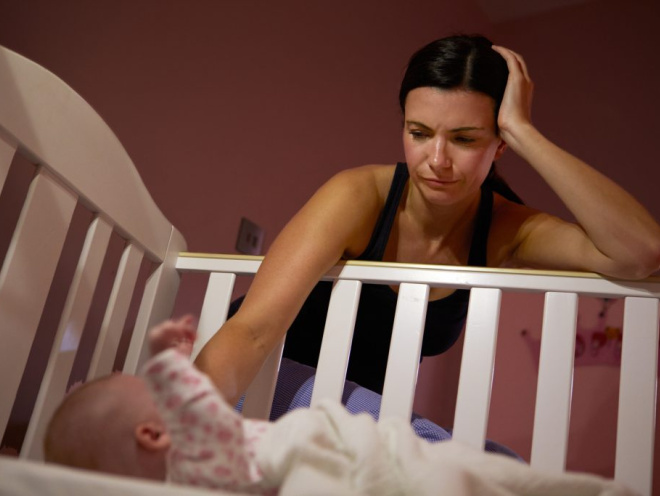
250,238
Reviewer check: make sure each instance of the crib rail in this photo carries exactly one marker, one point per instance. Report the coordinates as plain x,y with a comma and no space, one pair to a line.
635,431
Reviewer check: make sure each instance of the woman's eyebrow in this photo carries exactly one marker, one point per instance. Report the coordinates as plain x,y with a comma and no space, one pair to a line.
455,130
467,128
416,123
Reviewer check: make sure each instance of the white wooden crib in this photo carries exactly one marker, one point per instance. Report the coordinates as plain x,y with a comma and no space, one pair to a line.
81,164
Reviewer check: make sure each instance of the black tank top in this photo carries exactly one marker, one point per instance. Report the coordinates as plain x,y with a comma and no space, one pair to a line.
373,326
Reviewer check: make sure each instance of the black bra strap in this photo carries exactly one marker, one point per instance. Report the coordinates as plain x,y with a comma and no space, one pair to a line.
381,234
376,247
479,247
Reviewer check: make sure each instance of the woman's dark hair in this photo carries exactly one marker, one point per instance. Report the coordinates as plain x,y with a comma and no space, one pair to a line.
461,62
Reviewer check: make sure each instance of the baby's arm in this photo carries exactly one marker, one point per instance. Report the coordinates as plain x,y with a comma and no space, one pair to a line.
179,334
209,447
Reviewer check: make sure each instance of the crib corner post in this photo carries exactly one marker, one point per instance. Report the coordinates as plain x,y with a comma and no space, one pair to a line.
157,303
7,152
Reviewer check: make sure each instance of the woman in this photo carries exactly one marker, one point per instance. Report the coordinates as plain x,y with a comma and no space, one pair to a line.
464,102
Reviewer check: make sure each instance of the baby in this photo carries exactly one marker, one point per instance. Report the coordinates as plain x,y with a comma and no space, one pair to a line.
171,423
168,423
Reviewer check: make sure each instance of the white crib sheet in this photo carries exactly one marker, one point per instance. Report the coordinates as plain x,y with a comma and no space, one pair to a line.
28,478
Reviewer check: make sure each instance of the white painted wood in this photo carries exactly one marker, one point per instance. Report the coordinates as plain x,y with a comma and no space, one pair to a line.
637,395
67,338
587,284
208,263
157,302
7,152
215,308
57,129
337,339
555,383
26,275
259,396
405,351
114,319
476,375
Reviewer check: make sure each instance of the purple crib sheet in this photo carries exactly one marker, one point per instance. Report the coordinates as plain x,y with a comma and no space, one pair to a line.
294,390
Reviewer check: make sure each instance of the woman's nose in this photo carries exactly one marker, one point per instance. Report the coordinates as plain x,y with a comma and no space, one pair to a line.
438,154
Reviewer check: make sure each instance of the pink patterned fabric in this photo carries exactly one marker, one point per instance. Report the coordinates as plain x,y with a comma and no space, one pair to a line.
212,445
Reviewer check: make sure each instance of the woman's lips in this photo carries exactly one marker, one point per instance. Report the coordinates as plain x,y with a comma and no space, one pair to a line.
440,182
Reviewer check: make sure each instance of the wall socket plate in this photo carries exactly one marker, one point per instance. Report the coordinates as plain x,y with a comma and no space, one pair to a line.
250,238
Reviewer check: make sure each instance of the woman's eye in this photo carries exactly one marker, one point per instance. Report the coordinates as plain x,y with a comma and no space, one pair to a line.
418,135
464,140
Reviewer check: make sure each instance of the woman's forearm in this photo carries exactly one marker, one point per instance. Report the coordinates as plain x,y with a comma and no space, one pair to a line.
232,358
617,224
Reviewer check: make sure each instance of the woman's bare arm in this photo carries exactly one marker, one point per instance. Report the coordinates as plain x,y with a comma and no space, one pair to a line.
336,221
614,235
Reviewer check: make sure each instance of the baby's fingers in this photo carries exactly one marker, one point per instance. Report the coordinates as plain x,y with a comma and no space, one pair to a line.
173,333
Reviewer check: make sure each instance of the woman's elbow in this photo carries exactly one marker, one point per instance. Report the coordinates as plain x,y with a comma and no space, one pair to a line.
642,263
651,260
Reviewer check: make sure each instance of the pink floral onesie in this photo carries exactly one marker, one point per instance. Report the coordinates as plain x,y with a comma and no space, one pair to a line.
212,445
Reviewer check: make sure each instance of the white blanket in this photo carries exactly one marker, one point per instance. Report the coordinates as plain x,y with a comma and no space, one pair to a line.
334,452
331,452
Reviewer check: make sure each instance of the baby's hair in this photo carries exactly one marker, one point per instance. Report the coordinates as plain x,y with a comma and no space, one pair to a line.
72,424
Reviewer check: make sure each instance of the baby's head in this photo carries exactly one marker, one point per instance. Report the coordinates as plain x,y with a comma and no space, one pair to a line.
109,425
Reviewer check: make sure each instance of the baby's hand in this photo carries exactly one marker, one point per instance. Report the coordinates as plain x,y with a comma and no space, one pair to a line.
175,333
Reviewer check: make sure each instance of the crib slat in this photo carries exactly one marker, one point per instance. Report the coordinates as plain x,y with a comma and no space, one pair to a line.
67,338
7,152
637,395
157,301
476,375
38,238
553,394
214,310
115,316
337,339
405,350
259,396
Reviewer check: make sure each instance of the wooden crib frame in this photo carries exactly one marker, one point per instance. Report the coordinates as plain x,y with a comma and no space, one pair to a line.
80,161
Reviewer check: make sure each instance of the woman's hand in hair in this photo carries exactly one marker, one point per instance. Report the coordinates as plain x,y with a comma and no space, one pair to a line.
516,107
614,234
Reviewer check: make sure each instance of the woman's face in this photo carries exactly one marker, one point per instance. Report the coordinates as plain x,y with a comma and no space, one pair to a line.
450,142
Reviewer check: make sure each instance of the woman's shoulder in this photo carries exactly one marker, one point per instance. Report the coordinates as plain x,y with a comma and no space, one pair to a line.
509,225
371,177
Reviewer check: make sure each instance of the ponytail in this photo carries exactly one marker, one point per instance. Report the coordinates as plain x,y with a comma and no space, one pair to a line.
497,184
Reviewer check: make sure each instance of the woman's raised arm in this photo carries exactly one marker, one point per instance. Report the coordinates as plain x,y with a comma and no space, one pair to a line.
615,235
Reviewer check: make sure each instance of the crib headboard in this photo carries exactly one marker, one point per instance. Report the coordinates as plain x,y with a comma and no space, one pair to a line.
81,164
79,161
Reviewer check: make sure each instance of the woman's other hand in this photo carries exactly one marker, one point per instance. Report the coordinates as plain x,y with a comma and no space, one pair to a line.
516,108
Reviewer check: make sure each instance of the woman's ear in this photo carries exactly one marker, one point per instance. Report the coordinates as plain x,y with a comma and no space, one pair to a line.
152,436
500,150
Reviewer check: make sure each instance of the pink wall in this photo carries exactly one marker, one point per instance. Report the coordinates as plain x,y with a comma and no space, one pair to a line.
234,109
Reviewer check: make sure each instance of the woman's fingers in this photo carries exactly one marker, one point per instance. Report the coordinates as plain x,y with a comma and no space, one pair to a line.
515,108
514,60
